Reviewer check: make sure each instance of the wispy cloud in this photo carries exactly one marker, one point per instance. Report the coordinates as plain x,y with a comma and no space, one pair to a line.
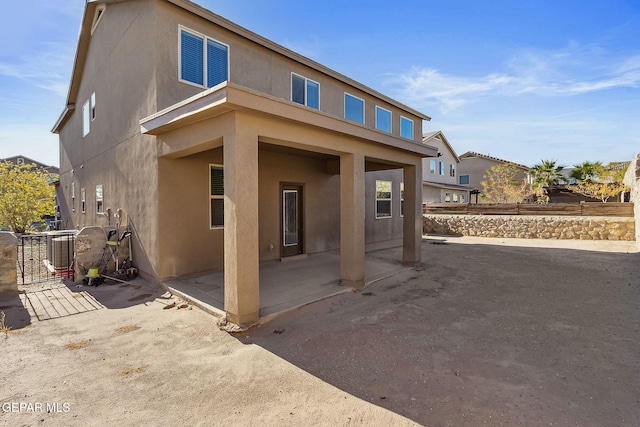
45,70
573,71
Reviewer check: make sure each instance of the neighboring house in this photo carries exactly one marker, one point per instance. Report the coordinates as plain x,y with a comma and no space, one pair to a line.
225,149
23,160
474,166
439,175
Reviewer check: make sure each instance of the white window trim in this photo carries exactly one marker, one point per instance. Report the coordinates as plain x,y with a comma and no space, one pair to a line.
344,107
390,119
413,129
205,62
98,211
97,17
92,106
435,168
212,197
401,199
86,118
390,199
306,97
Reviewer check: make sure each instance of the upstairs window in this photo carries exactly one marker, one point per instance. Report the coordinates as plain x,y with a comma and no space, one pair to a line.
432,166
406,128
216,196
452,170
73,197
464,179
203,61
83,200
383,119
353,108
305,91
88,114
441,165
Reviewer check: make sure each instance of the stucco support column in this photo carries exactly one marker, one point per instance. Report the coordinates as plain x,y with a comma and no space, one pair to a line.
352,220
241,257
412,223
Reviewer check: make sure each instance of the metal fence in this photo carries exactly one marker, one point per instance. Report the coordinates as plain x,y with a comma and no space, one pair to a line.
45,257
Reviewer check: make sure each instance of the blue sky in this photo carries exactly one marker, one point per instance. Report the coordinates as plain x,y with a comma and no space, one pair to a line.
519,80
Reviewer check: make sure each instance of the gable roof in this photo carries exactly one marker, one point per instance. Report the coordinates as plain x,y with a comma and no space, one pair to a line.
85,36
431,136
471,154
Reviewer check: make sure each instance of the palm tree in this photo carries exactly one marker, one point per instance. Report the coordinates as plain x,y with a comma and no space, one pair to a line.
545,174
587,171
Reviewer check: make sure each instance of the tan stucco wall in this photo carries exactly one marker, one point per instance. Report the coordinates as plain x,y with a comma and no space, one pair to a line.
255,67
188,245
114,153
447,158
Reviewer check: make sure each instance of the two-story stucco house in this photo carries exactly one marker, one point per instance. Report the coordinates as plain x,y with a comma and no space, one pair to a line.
440,182
225,149
474,166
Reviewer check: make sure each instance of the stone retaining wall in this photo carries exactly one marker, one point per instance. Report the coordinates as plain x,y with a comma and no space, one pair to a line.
532,227
632,180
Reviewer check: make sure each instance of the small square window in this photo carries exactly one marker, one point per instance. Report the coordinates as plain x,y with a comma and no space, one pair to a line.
305,91
383,119
353,108
464,179
406,128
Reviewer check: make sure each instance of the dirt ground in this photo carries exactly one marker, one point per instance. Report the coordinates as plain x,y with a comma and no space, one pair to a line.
488,332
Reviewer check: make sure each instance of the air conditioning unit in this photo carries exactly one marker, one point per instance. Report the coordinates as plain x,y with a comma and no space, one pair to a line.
62,252
60,247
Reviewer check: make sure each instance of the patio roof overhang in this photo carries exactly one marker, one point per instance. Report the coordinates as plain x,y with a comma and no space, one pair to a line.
228,96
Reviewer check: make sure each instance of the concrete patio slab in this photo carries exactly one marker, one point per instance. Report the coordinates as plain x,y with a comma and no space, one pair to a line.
287,285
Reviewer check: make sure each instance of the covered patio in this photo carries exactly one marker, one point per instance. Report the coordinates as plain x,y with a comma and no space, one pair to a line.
287,285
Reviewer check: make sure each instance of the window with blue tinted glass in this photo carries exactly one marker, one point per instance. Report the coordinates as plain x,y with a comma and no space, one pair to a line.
192,58
464,179
305,91
383,119
217,63
353,108
203,64
297,89
313,94
406,128
432,166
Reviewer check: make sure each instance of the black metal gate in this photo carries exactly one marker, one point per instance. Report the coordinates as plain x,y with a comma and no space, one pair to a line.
45,257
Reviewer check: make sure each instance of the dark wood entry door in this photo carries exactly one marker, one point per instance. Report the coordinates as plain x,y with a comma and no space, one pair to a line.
291,219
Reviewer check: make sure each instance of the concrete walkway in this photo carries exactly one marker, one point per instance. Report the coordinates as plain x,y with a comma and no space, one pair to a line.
290,284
